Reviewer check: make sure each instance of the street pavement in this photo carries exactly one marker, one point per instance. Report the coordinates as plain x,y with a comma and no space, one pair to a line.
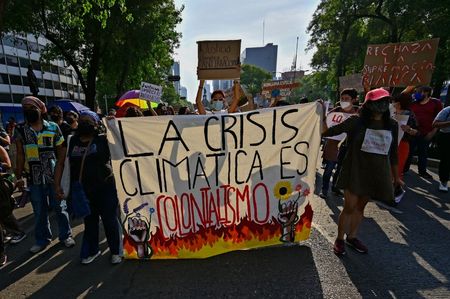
408,258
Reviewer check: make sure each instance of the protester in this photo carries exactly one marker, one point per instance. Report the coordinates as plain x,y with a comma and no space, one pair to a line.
184,110
425,108
133,111
330,149
112,112
72,120
218,103
161,109
40,144
5,139
442,122
170,110
8,223
11,126
367,167
98,183
401,104
56,115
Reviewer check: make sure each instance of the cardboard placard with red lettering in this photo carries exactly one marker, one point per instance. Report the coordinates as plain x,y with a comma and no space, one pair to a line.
219,59
400,64
335,118
202,185
284,86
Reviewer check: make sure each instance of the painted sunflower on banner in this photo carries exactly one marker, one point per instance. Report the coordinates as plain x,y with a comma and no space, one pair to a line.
282,190
289,202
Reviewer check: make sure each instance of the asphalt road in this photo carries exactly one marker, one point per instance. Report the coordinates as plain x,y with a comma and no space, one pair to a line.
408,258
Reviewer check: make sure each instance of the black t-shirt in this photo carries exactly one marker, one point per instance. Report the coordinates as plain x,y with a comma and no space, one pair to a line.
97,172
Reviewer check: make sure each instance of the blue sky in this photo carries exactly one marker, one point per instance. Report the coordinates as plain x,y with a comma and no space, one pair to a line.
232,19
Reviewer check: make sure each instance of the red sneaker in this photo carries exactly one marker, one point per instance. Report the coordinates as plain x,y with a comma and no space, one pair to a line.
357,245
339,247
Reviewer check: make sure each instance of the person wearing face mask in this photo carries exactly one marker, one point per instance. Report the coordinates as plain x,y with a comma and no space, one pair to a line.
72,120
97,179
425,108
401,106
56,115
370,166
218,103
40,144
330,148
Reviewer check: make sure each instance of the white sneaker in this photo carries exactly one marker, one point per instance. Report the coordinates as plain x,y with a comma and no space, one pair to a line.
116,259
443,187
69,242
90,259
37,248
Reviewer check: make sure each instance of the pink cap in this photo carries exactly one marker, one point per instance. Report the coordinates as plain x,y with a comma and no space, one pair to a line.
376,94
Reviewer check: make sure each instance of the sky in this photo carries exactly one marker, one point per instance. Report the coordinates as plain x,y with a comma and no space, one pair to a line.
232,19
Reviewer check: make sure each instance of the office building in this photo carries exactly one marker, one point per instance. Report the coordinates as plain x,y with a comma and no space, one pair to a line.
175,71
222,84
263,57
56,80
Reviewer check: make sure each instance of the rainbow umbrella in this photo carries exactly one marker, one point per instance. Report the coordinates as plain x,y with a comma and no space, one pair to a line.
132,96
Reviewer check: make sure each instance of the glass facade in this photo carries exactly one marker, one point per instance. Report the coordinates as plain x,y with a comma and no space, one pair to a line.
17,53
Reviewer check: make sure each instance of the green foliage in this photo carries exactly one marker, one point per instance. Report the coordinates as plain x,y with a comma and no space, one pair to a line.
252,78
114,44
313,87
340,31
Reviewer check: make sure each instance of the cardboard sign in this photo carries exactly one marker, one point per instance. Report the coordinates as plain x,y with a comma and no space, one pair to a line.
284,86
198,186
150,92
219,59
401,64
351,81
335,118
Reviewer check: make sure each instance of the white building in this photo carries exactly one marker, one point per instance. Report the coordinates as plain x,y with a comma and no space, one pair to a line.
56,80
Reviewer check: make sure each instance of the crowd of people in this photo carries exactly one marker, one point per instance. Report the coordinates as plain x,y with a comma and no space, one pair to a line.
55,152
371,162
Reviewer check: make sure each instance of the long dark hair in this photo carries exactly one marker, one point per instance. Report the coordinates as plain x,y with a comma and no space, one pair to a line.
366,115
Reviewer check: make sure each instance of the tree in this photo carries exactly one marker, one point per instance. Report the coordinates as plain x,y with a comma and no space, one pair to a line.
87,35
341,30
252,78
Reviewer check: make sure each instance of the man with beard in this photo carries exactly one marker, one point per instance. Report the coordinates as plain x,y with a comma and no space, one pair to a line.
425,108
40,144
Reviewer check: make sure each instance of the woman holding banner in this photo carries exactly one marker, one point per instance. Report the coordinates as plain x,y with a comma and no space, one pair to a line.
218,103
369,167
89,162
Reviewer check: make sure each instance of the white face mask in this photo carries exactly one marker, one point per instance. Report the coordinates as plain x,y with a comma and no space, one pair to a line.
345,105
392,109
217,105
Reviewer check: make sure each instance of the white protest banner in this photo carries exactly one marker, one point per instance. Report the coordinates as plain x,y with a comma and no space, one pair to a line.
402,121
219,59
335,118
150,92
196,186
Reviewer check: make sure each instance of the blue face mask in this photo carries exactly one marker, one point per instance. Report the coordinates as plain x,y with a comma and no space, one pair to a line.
418,96
217,105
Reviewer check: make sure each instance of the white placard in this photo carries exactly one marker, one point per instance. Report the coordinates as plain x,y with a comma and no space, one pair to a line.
377,141
150,92
335,118
402,121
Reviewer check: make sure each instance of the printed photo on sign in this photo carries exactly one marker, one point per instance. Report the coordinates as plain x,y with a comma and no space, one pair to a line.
377,142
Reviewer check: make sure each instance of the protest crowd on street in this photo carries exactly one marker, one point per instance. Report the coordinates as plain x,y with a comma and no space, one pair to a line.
243,164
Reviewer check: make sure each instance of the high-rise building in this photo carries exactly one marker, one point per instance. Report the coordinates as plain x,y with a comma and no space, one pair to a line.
222,84
56,80
175,71
263,57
